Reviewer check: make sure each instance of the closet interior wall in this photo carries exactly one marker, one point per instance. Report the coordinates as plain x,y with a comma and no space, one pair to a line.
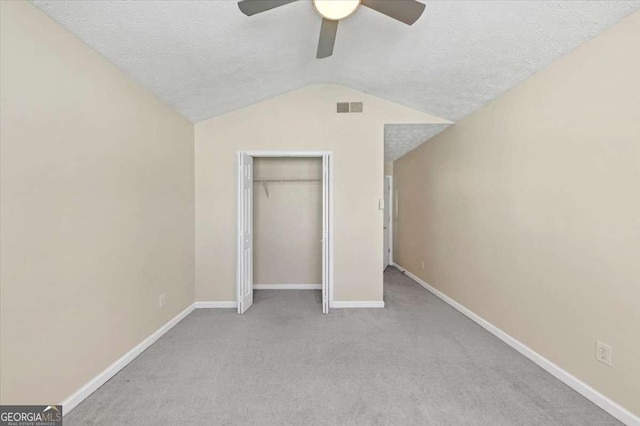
287,220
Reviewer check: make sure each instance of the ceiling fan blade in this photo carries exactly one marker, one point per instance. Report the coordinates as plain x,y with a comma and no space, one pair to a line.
407,11
251,7
328,33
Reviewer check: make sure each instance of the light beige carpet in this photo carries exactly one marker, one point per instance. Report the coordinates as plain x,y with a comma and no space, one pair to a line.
416,362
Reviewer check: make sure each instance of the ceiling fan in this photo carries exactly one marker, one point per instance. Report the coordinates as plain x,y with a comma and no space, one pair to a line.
331,11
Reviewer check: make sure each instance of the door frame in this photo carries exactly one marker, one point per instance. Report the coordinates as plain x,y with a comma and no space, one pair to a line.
389,209
327,255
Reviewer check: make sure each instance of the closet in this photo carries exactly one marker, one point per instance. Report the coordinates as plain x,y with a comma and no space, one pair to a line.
287,223
284,223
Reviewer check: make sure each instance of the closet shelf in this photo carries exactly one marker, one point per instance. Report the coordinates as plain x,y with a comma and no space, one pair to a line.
264,182
286,180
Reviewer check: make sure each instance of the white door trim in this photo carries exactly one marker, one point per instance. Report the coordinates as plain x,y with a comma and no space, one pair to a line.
301,154
327,253
389,210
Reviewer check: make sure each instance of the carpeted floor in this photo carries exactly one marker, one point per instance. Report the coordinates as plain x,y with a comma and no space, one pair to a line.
416,362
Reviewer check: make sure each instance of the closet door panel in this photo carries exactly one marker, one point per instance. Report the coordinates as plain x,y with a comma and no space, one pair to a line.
245,233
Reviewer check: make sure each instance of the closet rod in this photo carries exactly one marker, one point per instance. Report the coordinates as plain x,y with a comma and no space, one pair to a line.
286,180
264,182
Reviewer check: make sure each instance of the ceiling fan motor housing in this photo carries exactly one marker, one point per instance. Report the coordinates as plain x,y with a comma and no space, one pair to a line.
335,10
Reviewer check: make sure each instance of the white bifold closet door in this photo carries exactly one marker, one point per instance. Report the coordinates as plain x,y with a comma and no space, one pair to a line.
244,256
326,243
244,273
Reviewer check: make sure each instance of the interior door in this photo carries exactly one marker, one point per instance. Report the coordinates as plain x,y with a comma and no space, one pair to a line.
326,234
244,273
386,223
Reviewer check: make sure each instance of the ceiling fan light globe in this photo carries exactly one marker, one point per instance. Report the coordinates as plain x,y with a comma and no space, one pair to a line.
335,10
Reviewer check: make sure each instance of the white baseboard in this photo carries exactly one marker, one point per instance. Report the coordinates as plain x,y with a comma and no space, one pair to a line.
81,394
287,286
357,304
611,407
216,305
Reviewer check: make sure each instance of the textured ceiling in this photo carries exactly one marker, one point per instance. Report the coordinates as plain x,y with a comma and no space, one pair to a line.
205,58
402,138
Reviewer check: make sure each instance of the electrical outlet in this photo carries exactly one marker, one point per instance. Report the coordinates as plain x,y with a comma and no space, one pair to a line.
161,300
603,353
422,264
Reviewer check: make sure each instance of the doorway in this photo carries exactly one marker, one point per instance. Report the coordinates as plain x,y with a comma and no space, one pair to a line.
247,184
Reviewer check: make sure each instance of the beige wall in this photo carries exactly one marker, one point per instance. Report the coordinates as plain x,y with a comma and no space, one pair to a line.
287,224
302,120
388,168
97,210
527,212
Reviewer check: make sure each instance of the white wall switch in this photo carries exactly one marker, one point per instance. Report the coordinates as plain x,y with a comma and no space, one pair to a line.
381,204
161,300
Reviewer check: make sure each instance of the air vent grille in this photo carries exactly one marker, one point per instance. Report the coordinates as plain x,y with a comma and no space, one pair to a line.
347,107
355,106
343,107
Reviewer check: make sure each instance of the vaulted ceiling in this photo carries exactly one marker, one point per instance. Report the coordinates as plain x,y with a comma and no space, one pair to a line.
205,58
